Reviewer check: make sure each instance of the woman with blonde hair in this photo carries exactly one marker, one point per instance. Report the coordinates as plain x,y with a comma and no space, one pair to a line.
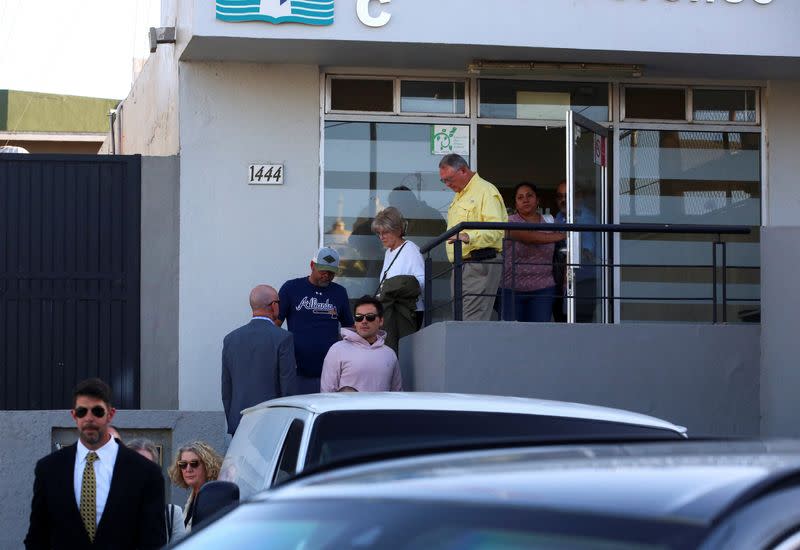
195,464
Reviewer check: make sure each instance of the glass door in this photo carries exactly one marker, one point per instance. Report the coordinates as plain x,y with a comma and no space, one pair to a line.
587,179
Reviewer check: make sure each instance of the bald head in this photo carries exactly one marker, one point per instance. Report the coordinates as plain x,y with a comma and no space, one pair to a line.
263,300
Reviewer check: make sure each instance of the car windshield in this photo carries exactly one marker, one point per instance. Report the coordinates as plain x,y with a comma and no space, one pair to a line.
342,524
340,435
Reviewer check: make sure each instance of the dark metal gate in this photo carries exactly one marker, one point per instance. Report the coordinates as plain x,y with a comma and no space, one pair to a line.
69,277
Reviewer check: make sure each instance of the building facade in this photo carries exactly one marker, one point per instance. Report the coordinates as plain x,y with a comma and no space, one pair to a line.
294,122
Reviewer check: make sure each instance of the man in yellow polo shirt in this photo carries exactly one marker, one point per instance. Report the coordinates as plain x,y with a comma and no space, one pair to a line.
476,200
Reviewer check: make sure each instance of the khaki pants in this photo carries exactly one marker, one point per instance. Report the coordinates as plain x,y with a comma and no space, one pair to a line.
480,278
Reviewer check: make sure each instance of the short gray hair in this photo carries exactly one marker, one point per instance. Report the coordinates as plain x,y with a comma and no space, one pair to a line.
389,219
454,161
142,444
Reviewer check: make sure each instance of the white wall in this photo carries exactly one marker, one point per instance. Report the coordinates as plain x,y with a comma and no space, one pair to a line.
783,135
234,236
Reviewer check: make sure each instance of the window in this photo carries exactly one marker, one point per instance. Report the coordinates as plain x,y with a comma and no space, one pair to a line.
395,96
721,106
351,94
369,166
655,103
423,96
688,177
535,100
287,461
724,105
346,434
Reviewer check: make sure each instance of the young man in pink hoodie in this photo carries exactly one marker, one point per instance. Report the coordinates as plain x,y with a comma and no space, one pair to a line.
361,360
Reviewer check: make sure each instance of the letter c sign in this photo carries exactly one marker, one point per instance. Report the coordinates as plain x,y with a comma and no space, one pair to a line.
362,9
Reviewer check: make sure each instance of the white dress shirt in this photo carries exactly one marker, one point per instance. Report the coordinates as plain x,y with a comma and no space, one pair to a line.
264,319
103,472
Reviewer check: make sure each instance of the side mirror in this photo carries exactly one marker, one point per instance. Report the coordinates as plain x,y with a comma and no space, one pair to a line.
214,497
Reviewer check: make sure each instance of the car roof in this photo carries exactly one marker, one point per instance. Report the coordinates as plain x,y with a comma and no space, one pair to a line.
684,481
328,402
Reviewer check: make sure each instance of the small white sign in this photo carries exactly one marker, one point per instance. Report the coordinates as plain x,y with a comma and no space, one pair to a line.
265,174
599,150
449,139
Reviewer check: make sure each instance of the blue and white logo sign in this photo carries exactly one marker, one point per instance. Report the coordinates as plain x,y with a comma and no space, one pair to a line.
307,12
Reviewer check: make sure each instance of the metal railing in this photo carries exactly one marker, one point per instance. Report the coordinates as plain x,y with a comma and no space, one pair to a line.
719,267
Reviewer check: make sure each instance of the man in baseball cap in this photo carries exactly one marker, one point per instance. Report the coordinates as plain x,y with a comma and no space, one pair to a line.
326,259
315,308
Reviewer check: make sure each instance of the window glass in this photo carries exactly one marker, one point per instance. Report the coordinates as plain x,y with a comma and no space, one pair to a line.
680,177
252,452
527,99
405,524
432,97
343,434
352,94
287,461
724,105
369,166
655,103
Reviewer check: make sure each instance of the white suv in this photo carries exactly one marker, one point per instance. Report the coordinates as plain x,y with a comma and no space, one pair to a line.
280,438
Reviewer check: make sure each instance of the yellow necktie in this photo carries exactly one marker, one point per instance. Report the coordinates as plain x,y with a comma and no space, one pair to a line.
89,496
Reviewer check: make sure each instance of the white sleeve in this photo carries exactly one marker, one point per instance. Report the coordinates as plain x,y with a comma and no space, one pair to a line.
410,262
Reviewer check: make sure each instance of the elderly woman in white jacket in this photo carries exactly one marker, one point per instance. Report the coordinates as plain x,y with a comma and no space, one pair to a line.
402,257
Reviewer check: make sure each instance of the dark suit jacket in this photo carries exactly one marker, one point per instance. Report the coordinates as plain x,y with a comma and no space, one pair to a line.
257,365
133,516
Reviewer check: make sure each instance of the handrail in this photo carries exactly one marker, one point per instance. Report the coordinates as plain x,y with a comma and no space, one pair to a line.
458,260
593,228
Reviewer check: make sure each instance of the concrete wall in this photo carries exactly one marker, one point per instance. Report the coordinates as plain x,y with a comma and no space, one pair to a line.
233,235
783,161
704,377
159,283
27,436
780,345
780,260
147,120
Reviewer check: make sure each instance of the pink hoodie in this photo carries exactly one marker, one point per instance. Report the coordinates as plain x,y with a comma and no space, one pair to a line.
354,362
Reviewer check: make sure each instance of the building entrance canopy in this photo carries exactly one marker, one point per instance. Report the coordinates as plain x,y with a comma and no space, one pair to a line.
656,33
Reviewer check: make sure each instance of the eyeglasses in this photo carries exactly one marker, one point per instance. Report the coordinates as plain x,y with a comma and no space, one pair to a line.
368,316
447,180
97,411
182,464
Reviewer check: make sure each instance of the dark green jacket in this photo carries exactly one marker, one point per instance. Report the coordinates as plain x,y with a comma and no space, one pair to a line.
399,297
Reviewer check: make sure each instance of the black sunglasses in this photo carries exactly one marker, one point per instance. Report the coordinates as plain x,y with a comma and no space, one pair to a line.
97,411
182,464
369,316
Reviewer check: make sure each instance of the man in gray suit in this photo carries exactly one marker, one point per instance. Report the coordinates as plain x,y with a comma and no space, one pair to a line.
257,359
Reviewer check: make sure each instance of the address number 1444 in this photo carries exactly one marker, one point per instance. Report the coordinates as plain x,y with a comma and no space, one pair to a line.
265,174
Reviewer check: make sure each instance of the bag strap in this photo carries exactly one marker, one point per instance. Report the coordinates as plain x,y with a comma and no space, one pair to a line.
390,266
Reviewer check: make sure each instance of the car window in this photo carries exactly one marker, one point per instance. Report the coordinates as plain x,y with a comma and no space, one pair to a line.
339,435
287,460
342,524
253,452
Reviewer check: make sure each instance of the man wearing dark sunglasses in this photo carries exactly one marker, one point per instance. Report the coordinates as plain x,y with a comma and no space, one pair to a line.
361,359
96,493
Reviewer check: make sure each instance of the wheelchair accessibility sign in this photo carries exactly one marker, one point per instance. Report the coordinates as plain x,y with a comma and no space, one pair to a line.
449,139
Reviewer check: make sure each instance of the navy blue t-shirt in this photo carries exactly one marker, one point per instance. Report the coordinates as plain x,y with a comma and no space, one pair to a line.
313,314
